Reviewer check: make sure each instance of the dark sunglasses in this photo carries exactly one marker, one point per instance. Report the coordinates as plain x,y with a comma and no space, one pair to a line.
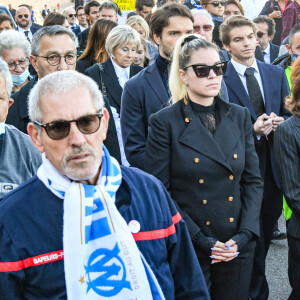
26,16
72,15
205,28
217,3
202,71
58,130
260,34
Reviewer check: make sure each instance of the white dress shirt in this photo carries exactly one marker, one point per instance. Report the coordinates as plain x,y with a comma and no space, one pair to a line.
122,73
23,31
267,54
252,8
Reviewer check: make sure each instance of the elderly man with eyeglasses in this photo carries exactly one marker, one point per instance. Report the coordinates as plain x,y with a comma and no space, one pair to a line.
84,227
24,24
53,49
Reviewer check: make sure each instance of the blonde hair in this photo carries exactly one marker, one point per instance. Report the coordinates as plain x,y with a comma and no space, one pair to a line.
139,21
184,48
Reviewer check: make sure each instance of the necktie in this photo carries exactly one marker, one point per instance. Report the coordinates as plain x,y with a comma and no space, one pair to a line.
26,34
254,92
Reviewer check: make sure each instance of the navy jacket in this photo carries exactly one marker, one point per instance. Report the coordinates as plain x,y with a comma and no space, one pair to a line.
275,90
143,95
274,50
31,230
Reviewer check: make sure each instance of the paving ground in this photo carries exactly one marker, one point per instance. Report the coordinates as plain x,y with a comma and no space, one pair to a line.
277,268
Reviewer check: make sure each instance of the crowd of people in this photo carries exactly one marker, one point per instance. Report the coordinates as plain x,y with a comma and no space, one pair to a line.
152,159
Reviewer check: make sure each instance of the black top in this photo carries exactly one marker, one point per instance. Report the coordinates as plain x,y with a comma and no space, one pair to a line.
163,66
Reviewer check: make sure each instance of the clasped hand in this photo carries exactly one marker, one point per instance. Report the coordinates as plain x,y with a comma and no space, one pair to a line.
265,124
224,251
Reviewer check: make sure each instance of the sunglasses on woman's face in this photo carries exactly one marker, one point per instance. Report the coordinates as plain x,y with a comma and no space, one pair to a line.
58,130
217,3
202,71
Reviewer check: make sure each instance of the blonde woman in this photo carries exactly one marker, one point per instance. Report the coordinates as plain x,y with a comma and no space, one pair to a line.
202,149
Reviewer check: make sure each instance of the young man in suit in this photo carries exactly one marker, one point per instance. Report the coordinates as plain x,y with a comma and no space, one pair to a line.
23,21
265,34
148,92
261,88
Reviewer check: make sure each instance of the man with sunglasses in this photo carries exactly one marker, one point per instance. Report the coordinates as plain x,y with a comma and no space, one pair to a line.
70,15
88,228
24,24
261,88
265,34
53,49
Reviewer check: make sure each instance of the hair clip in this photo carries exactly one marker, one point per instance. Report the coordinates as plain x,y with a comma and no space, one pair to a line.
189,39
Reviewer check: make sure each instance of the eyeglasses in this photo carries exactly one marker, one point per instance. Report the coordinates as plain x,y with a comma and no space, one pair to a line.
260,34
202,71
26,16
23,63
204,27
58,130
72,15
217,3
55,59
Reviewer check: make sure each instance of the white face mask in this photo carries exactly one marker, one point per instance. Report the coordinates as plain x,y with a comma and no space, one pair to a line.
2,128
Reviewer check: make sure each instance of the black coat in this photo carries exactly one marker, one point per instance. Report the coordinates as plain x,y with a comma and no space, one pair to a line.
111,82
18,116
84,64
214,180
83,38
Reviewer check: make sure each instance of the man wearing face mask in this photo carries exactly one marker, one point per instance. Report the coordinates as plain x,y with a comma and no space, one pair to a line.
15,51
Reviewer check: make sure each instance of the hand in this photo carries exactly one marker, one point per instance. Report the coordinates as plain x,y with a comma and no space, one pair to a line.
263,125
224,252
275,14
275,120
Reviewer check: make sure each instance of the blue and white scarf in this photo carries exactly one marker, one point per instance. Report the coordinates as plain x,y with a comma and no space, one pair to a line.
101,258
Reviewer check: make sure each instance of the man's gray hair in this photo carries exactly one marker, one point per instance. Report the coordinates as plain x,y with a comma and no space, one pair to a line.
61,83
11,38
203,12
4,71
66,9
50,31
119,37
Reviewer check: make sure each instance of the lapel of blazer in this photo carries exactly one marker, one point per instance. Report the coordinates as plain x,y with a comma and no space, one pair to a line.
266,79
155,82
235,84
196,137
111,81
24,93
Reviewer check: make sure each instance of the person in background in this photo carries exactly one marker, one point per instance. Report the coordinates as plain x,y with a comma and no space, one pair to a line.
70,15
274,9
141,26
290,17
141,57
121,46
144,7
193,4
6,22
15,50
24,24
19,158
232,8
45,11
81,17
12,10
92,13
216,9
56,18
287,153
265,34
109,10
95,51
202,150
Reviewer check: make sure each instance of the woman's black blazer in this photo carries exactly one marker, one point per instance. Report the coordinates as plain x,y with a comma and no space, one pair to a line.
215,181
111,82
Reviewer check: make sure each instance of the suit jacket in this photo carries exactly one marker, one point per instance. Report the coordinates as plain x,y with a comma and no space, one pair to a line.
82,38
84,64
214,180
275,90
18,116
110,80
142,96
287,153
76,29
274,50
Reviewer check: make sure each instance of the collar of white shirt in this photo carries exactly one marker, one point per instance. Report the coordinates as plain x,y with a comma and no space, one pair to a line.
242,68
267,50
120,72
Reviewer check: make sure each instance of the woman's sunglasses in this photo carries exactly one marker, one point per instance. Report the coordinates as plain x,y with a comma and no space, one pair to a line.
58,130
202,71
217,3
